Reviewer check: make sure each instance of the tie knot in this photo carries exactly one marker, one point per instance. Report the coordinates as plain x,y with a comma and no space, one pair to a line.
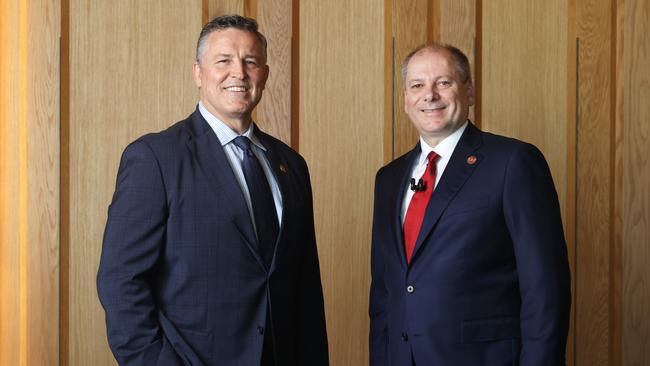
243,143
432,157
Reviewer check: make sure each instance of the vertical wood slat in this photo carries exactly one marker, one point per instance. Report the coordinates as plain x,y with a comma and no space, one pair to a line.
274,111
458,28
221,7
636,185
410,29
341,137
130,73
42,300
29,206
519,37
10,68
594,134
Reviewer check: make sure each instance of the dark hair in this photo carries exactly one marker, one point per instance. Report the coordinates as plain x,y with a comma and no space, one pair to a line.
461,63
228,21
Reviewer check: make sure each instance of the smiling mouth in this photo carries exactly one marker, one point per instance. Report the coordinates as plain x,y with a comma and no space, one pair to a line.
236,88
433,109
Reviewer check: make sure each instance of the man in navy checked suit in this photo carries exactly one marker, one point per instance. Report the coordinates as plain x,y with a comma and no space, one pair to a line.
182,277
486,280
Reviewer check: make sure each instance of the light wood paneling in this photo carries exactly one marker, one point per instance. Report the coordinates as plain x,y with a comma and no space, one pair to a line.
274,110
524,77
10,157
130,73
528,88
42,249
636,214
29,175
341,136
594,134
411,25
458,28
222,7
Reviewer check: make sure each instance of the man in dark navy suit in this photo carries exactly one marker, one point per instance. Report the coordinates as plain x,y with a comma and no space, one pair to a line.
209,254
469,263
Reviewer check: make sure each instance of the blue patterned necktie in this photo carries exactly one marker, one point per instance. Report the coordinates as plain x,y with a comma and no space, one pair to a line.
264,212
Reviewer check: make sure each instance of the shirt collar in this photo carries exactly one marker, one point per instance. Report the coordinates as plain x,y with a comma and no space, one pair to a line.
445,148
224,133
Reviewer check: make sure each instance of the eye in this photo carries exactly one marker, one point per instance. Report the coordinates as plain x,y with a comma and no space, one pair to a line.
251,62
223,61
443,83
416,85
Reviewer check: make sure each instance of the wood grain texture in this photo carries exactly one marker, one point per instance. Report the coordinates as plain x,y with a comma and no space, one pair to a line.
274,111
221,7
524,78
410,27
594,135
636,214
130,73
341,136
29,206
42,303
528,89
10,69
458,28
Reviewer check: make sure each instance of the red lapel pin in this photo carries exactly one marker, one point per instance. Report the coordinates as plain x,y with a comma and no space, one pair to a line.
283,168
471,160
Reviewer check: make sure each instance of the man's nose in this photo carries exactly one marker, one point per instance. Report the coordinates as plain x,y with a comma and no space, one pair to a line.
431,94
237,69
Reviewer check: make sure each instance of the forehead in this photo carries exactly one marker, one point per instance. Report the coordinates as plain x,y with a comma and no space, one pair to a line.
428,62
233,39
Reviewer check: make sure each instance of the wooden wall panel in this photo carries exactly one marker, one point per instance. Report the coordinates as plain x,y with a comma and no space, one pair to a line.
636,185
214,8
29,174
341,136
412,25
273,114
10,204
41,300
458,28
130,73
594,129
524,77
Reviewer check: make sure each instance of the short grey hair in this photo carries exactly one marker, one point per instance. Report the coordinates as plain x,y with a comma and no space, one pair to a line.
225,22
461,63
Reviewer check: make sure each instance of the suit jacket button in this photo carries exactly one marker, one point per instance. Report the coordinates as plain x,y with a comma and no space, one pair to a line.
260,329
410,289
405,337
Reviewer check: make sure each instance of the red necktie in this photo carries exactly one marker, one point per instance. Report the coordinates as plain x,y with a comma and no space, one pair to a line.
418,206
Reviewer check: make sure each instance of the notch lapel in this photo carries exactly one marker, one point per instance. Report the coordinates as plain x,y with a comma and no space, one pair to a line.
210,157
278,166
397,192
456,173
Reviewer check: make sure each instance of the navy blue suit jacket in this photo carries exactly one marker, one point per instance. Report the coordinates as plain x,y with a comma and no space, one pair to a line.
180,277
488,283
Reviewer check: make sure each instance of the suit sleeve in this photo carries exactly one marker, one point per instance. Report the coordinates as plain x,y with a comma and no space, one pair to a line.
378,341
312,339
133,241
532,215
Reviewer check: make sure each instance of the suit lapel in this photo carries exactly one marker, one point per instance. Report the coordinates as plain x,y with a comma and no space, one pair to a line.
279,168
212,160
397,192
459,168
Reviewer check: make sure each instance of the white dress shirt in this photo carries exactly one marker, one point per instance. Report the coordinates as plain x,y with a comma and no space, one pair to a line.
444,149
235,157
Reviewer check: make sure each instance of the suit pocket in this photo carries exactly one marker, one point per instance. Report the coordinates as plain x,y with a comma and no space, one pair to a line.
467,205
493,329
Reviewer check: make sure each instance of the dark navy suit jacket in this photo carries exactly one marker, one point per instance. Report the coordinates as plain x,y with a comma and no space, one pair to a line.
488,283
180,277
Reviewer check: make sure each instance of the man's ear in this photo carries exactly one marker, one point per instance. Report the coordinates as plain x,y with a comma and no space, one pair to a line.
471,93
196,73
